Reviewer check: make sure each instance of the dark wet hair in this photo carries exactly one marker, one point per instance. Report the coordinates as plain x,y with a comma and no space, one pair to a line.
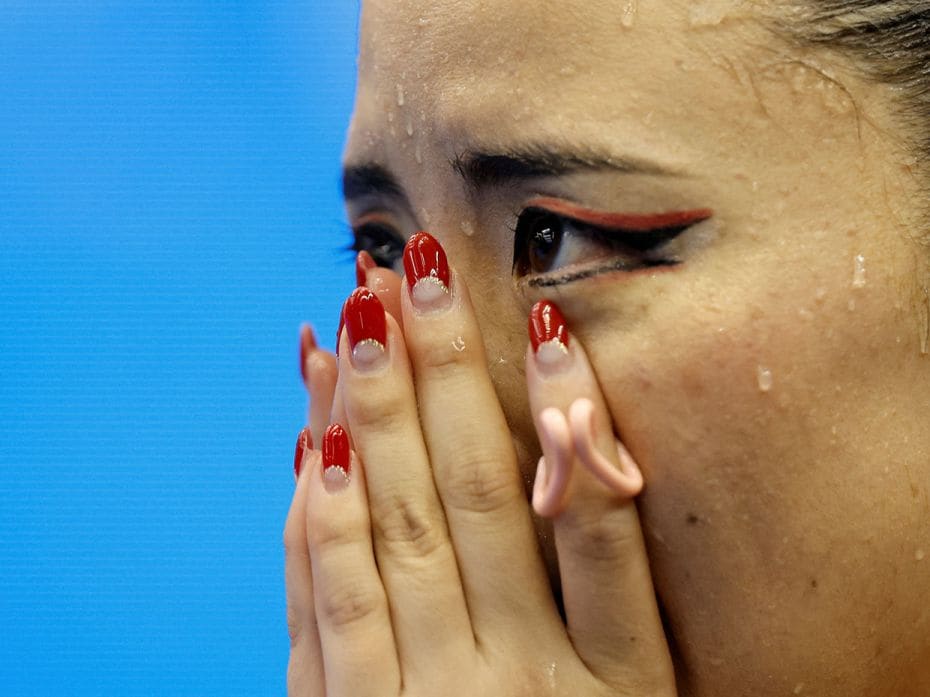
889,40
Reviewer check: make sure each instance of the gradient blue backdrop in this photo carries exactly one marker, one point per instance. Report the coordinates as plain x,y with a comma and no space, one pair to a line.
168,214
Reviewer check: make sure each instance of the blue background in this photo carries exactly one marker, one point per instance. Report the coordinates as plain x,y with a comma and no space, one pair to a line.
169,213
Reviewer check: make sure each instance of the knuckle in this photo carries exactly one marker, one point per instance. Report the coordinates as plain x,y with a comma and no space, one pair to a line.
444,359
294,538
324,533
376,409
349,604
408,530
479,483
605,538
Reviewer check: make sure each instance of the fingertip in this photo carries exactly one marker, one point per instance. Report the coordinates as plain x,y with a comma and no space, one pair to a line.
363,264
307,345
304,444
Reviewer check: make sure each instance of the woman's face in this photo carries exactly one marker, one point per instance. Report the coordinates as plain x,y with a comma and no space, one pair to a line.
764,366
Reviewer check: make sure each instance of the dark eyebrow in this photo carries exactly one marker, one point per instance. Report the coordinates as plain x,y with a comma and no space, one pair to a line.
483,169
368,179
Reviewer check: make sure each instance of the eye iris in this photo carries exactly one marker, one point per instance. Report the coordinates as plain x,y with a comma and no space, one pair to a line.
544,240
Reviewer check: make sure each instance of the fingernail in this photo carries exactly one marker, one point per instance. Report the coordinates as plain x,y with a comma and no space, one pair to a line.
366,328
336,467
307,344
548,334
342,323
363,264
304,443
427,272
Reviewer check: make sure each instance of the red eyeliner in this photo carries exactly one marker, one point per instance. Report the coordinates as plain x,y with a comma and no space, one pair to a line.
631,222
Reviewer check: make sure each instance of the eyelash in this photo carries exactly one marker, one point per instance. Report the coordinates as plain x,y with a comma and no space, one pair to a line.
381,241
386,246
541,226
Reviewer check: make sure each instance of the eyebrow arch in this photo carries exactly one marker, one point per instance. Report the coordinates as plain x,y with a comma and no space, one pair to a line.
367,179
482,169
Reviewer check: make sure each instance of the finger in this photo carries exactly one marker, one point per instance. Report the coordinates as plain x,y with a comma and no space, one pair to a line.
356,637
470,449
607,588
412,546
384,283
318,369
305,665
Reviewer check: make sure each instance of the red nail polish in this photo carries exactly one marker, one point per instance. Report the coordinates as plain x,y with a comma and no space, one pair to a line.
363,264
307,344
342,323
304,443
424,259
548,333
366,326
336,448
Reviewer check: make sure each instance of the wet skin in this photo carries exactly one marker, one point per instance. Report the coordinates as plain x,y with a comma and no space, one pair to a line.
786,522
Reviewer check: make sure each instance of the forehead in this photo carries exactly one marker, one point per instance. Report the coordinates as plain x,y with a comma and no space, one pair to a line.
494,69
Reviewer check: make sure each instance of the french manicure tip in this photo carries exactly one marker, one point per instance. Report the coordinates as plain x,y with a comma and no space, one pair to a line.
367,352
551,353
335,478
430,293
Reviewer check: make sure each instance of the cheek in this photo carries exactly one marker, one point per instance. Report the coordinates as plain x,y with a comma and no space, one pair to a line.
757,504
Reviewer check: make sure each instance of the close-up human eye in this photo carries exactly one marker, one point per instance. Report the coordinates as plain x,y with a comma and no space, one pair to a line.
381,240
546,242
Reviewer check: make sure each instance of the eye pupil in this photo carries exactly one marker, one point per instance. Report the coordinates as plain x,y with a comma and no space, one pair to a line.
545,236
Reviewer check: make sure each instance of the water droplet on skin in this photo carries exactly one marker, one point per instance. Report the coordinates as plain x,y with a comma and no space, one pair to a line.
764,378
799,688
919,555
467,228
707,14
859,272
628,13
550,673
459,344
400,94
851,305
409,127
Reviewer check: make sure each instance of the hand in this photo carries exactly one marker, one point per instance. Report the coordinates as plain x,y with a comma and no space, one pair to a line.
412,565
318,366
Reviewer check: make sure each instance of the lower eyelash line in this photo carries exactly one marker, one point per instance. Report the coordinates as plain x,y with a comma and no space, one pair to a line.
588,273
